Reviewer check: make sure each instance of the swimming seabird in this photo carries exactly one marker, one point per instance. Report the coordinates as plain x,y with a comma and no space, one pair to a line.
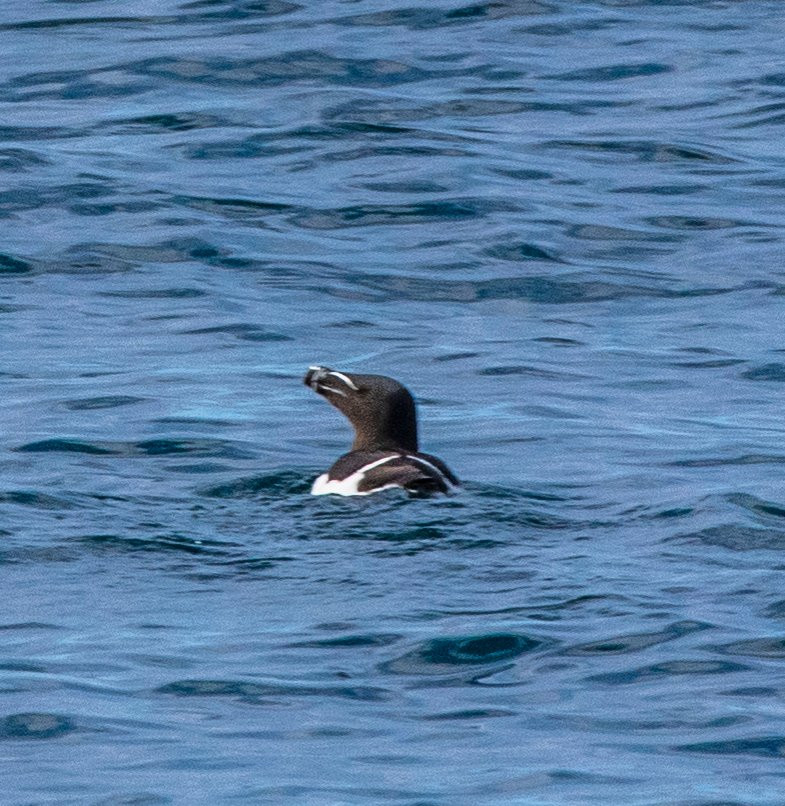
385,452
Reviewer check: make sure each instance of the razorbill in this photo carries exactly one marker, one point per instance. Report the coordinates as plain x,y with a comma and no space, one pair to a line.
384,452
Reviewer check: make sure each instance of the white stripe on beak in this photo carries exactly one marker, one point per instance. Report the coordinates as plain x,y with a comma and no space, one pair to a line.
346,380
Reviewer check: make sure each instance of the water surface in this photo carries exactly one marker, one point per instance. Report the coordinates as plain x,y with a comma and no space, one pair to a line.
560,223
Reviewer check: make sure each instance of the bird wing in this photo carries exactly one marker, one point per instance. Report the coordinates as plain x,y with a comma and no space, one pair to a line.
402,472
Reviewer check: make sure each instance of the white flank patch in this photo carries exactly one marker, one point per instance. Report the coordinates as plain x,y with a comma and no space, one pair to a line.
348,486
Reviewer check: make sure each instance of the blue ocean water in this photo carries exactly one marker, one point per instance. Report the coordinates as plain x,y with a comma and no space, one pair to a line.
561,225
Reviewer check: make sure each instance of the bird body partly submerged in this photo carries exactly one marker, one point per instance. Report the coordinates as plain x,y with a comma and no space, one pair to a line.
385,452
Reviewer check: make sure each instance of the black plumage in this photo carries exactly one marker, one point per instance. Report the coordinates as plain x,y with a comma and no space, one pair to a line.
385,449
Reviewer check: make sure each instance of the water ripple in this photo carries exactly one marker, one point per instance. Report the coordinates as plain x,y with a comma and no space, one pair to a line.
560,224
447,655
35,726
767,746
261,692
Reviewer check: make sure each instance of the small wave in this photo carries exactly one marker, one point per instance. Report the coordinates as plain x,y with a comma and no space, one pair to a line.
103,402
13,265
532,372
716,363
30,625
156,544
241,330
642,150
767,647
33,498
720,461
150,447
765,746
282,483
668,669
218,10
520,251
693,222
36,726
623,644
539,289
766,372
426,212
18,160
765,511
424,18
351,641
163,123
265,691
441,656
736,537
468,714
283,69
613,72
